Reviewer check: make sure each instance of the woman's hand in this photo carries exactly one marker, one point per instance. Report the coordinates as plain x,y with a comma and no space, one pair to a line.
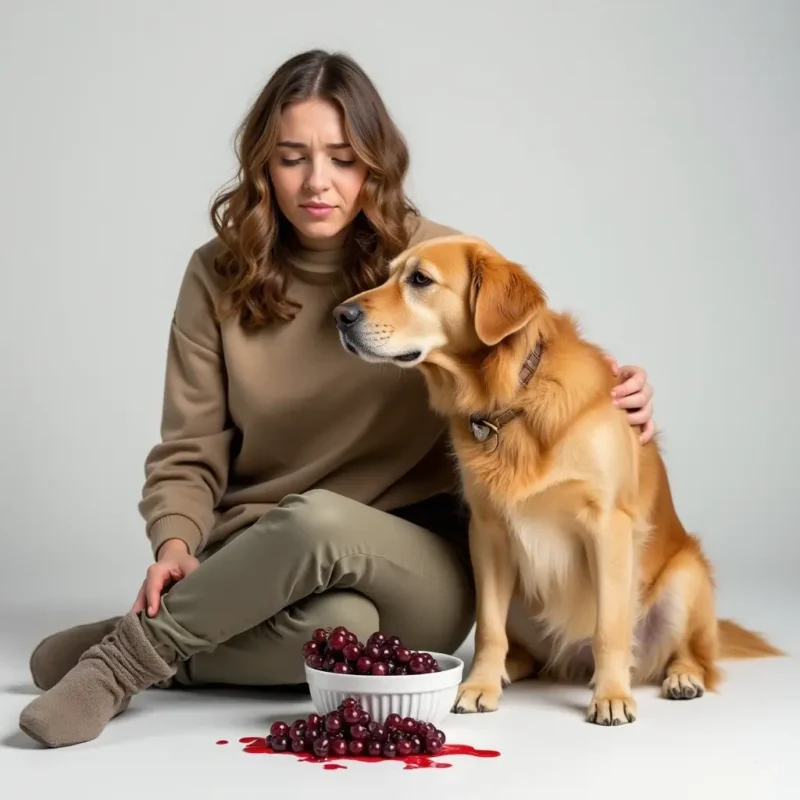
633,392
174,564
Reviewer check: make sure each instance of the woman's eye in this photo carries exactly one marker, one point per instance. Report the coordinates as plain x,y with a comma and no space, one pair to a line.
293,162
419,279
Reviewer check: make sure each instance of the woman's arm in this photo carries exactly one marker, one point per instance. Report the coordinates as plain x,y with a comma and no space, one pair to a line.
187,471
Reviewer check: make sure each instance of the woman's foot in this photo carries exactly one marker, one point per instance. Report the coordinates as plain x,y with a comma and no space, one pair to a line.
81,704
57,654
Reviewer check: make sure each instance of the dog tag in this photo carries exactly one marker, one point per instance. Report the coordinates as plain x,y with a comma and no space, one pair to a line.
479,431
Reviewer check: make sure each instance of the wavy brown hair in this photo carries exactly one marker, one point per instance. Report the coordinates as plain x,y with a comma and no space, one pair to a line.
256,236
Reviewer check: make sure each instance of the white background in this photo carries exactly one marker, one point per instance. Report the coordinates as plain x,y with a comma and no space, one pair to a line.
640,158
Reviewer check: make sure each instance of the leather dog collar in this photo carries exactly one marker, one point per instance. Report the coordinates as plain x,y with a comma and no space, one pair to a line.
486,429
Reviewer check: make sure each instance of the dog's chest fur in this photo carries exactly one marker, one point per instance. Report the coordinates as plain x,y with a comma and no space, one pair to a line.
554,577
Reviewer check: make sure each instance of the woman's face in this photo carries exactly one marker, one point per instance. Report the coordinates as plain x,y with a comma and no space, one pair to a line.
316,175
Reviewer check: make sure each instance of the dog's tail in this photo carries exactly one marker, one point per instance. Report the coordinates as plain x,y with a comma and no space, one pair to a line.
738,642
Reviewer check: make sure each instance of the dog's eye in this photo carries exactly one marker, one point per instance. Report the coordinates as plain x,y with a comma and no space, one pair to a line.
418,278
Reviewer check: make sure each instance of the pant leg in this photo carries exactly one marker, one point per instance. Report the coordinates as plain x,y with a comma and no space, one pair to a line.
311,544
269,653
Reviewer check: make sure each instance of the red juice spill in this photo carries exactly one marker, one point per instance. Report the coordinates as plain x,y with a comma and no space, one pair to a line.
222,741
257,745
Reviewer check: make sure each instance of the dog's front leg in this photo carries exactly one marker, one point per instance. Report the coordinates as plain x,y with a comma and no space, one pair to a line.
495,576
611,541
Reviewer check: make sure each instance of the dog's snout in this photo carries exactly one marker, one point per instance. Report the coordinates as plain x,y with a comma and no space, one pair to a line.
346,315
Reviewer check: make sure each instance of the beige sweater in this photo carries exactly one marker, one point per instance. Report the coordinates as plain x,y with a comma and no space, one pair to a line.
250,418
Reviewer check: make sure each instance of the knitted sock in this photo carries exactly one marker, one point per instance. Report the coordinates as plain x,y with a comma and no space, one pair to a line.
80,705
57,654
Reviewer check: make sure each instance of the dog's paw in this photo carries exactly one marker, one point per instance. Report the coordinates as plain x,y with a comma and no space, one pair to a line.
605,710
682,686
473,697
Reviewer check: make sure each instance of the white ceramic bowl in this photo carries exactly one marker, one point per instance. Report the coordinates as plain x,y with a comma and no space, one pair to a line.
427,697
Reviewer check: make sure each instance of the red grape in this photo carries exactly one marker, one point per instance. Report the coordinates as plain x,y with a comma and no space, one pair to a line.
329,663
377,731
433,746
352,652
427,730
339,747
410,725
333,722
356,747
279,728
358,732
320,635
315,661
322,746
417,664
404,747
389,750
364,665
310,649
373,652
393,722
351,715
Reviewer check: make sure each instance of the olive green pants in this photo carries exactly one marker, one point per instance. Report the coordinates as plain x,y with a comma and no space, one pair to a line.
316,560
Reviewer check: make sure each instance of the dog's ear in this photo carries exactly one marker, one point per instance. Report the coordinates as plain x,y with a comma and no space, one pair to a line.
504,297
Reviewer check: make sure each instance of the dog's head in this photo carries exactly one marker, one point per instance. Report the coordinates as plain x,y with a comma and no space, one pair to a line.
454,295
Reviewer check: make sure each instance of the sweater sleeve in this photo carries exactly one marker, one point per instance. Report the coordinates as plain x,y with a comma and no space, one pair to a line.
186,473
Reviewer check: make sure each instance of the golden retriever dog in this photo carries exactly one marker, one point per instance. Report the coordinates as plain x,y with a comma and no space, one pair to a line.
572,516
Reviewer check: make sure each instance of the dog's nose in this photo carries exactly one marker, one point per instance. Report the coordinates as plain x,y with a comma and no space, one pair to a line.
346,314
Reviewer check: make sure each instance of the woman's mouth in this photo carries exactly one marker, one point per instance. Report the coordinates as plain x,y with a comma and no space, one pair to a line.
317,209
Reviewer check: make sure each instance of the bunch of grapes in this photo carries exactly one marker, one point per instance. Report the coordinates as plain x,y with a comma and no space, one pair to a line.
350,731
340,651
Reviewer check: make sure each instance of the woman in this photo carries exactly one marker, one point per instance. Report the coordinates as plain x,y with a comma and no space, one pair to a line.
295,486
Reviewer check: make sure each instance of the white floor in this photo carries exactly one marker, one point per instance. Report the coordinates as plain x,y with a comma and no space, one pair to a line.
741,743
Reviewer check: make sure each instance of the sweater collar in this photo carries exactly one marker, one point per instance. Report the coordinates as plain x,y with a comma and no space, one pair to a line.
318,261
